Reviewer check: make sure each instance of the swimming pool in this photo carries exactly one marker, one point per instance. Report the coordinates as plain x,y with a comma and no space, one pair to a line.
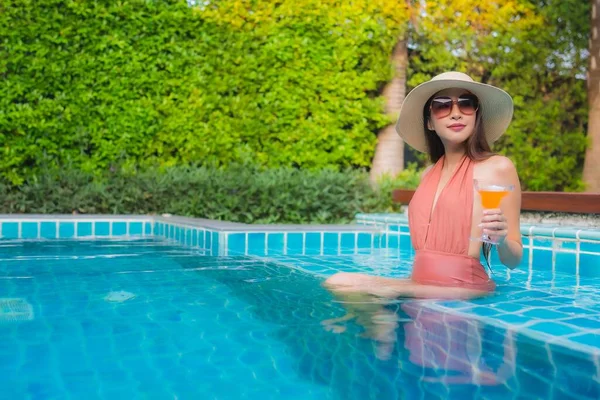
101,307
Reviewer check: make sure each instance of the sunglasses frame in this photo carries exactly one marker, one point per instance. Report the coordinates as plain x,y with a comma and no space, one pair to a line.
453,102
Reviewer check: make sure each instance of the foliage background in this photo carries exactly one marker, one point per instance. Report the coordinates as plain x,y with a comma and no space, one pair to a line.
143,88
139,83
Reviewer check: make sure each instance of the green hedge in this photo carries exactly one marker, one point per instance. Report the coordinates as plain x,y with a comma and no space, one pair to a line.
241,193
137,82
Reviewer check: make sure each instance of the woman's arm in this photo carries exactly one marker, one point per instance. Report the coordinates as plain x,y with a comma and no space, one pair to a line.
504,224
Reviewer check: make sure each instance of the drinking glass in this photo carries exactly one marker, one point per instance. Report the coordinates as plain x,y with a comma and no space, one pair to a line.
491,195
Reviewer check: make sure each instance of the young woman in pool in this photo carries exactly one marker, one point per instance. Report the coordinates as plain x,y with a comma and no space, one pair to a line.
455,120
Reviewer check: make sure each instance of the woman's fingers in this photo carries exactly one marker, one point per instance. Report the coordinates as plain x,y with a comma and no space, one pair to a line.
495,225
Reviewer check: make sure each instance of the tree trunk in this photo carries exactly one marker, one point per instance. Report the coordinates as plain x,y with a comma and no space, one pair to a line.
591,167
389,152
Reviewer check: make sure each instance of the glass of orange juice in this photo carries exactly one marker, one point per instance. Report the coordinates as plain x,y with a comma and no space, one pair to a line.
491,195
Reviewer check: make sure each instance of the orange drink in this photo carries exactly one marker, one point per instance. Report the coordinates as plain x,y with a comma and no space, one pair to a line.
491,198
491,194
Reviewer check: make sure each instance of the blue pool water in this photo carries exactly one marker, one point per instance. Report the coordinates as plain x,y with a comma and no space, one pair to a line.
109,319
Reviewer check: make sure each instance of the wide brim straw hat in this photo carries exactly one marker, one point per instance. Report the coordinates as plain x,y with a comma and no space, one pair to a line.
495,106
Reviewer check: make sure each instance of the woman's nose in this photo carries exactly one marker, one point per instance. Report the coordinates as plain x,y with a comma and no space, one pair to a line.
456,114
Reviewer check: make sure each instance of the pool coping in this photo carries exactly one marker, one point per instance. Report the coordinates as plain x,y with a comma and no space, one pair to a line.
221,226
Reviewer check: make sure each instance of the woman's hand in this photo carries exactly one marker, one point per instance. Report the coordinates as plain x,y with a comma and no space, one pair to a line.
494,224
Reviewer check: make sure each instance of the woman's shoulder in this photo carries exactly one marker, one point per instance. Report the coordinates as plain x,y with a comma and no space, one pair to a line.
496,164
496,167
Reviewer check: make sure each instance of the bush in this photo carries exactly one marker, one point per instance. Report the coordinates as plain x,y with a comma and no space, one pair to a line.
136,82
241,193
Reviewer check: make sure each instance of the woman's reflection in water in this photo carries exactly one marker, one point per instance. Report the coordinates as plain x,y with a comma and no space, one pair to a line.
448,347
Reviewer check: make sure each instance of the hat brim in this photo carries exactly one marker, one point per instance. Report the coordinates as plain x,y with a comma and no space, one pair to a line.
495,106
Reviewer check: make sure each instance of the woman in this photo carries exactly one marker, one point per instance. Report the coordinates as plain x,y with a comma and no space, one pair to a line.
455,120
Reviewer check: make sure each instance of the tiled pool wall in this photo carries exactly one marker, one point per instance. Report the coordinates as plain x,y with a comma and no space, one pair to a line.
212,237
564,249
567,250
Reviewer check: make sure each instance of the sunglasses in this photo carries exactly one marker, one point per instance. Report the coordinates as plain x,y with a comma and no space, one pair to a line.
441,106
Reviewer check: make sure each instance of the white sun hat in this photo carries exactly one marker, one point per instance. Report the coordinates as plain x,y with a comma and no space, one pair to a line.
495,106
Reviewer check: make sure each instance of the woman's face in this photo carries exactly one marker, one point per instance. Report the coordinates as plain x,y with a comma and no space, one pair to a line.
452,116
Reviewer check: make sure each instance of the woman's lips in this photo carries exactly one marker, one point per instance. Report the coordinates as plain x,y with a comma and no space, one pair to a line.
456,127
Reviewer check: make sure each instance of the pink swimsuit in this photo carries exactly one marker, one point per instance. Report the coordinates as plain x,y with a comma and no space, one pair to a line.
442,241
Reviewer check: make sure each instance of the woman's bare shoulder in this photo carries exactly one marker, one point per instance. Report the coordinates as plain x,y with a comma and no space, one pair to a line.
497,165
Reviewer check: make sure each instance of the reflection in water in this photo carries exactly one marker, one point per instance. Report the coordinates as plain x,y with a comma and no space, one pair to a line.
362,347
448,347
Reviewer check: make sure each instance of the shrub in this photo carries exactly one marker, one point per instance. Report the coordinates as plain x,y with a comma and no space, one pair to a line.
241,193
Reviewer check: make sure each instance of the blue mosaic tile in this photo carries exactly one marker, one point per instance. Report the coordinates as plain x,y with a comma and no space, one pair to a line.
275,243
513,319
148,226
575,311
256,243
393,228
347,242
330,243
405,242
102,229
542,242
508,307
393,241
532,385
364,240
483,311
294,243
380,241
66,230
590,339
202,239
589,265
542,259
215,243
84,229
540,313
313,243
568,245
10,230
194,237
119,228
566,263
48,230
528,303
553,328
588,323
135,228
592,247
29,230
560,300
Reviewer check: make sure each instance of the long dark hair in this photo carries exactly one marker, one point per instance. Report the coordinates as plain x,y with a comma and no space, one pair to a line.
476,146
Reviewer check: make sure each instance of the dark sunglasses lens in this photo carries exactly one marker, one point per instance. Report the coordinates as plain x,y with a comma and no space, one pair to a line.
441,106
468,105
